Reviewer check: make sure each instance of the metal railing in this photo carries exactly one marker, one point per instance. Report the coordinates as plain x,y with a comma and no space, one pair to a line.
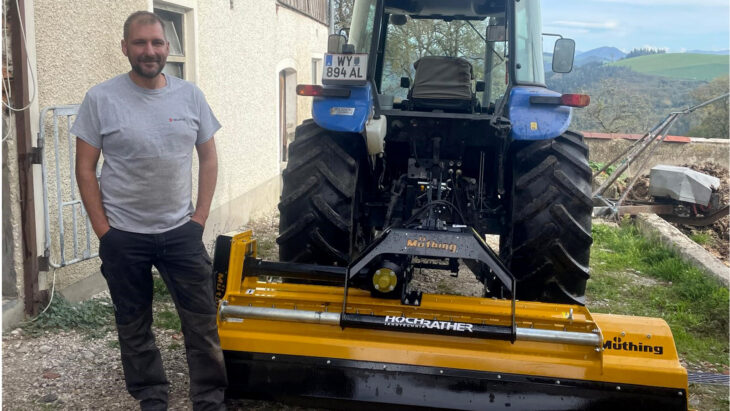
80,248
636,150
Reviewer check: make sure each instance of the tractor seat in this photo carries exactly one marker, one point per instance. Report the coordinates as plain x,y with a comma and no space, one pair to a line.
442,83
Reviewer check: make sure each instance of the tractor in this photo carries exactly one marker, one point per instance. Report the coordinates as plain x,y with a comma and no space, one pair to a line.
468,135
432,129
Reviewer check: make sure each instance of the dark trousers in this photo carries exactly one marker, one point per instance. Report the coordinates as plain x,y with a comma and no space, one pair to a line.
180,257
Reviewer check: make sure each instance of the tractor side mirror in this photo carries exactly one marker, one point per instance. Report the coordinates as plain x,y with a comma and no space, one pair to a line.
335,42
405,82
480,86
563,55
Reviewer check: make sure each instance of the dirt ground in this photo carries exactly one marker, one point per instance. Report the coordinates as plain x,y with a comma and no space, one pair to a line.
717,235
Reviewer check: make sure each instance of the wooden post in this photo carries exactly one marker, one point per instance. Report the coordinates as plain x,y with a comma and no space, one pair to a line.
27,156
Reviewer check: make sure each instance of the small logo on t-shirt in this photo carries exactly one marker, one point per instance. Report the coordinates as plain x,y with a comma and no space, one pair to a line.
176,119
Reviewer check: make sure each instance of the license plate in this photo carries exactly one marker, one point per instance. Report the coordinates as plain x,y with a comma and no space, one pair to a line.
345,69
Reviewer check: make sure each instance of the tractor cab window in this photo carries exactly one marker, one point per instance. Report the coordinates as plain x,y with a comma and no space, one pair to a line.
528,43
412,39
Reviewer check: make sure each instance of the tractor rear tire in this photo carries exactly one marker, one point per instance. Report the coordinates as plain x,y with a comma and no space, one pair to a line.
546,243
319,196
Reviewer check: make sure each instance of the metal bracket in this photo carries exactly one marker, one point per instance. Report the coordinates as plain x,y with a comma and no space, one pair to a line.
35,156
463,243
43,263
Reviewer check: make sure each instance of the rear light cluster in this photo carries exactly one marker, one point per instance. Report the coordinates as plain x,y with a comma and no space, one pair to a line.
575,100
571,100
311,90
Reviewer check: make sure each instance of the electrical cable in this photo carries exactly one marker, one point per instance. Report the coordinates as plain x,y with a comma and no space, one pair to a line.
6,87
30,68
53,292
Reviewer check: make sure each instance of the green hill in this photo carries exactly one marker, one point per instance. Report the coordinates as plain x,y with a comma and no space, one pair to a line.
687,66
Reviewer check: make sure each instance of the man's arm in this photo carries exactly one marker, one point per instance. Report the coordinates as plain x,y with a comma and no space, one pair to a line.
207,177
87,156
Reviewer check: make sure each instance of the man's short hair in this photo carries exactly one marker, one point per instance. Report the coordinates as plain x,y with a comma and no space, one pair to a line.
143,17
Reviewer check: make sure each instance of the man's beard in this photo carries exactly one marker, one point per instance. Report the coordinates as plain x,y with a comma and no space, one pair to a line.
148,74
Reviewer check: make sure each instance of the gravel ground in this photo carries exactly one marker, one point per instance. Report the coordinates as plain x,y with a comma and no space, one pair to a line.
71,371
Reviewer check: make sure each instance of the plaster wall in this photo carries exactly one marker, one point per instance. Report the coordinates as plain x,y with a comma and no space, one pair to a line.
240,48
241,51
77,45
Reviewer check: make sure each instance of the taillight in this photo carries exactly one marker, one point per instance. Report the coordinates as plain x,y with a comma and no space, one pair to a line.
311,90
575,100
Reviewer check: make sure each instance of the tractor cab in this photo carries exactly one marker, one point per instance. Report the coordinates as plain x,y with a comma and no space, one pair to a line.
452,56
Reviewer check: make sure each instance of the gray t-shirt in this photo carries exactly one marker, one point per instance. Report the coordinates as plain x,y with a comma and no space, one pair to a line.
147,139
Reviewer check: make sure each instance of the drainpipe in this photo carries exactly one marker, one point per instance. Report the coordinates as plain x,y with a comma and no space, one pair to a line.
27,156
332,16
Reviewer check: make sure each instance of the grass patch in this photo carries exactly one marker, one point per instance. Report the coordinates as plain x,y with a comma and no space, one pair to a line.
595,166
702,67
159,289
694,305
166,319
94,318
708,397
701,237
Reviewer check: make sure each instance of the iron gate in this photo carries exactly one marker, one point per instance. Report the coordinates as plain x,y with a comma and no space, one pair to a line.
69,212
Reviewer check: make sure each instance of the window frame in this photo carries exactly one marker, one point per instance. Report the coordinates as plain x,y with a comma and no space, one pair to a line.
186,35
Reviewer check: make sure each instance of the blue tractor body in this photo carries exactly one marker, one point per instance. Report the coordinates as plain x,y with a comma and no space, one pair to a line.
529,121
435,115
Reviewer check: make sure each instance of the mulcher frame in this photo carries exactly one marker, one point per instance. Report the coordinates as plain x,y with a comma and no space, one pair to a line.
286,340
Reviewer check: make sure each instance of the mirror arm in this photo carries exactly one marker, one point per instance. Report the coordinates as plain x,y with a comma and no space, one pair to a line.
552,34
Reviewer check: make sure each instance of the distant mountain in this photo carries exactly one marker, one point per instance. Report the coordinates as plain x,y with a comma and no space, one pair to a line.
715,52
599,55
702,67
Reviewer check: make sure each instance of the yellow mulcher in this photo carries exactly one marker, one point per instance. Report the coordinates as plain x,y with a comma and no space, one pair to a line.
287,339
433,128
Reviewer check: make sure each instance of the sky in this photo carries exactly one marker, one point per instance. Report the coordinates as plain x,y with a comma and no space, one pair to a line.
675,25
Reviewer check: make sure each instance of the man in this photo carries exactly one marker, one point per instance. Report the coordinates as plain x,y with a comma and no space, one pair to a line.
146,124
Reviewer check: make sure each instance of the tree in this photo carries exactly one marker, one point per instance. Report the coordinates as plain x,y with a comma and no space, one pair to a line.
616,108
713,119
343,14
644,52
